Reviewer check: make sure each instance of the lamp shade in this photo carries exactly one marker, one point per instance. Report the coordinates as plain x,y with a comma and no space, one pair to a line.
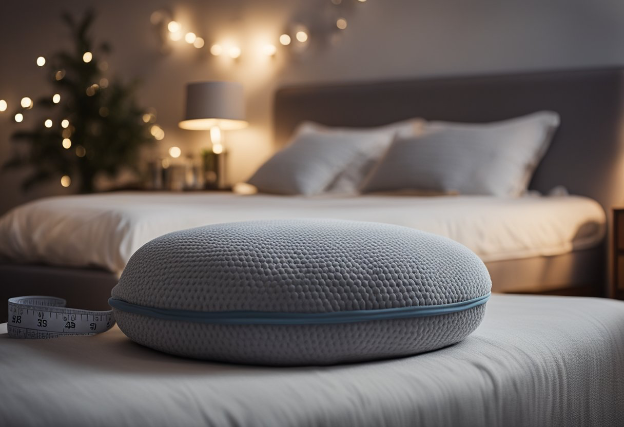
214,104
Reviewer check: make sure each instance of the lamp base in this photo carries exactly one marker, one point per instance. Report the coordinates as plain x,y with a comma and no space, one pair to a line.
214,170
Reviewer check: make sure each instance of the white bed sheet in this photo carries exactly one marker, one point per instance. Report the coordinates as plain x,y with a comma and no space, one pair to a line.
534,361
105,230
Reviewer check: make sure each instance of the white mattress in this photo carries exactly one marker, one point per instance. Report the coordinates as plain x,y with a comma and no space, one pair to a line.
534,361
105,230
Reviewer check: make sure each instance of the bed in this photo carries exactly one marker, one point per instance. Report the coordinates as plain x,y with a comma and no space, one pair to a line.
584,157
534,361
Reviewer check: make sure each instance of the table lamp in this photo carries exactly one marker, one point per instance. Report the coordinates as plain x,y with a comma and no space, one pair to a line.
215,106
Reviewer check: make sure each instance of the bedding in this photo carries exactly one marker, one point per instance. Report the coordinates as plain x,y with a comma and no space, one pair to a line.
313,161
534,361
352,177
495,159
106,229
300,292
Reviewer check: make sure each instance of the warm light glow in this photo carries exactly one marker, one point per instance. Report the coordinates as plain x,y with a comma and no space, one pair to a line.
190,38
165,163
269,50
3,105
216,49
80,151
206,124
65,124
302,36
234,52
173,27
361,1
217,148
341,23
87,57
65,181
157,132
103,83
48,123
67,143
175,36
26,102
175,152
198,43
147,117
244,189
66,133
284,39
59,75
56,98
19,117
41,61
215,135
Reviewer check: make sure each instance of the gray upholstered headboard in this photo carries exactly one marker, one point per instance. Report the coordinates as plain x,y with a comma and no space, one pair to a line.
586,156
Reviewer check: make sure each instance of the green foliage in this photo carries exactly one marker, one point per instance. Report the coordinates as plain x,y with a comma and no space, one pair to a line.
106,128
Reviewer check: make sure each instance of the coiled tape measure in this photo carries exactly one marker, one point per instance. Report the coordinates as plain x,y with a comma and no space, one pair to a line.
47,317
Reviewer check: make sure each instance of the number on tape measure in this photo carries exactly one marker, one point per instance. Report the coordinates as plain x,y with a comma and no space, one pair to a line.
47,317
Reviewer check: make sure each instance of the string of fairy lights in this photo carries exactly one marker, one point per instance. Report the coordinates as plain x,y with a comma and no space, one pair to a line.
296,37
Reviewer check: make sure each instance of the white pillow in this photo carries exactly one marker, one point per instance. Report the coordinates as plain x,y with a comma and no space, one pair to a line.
352,177
488,159
312,161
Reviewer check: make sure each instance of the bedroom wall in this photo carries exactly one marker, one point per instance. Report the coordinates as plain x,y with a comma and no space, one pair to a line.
384,40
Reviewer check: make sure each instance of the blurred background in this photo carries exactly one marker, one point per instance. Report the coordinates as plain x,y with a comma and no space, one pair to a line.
242,41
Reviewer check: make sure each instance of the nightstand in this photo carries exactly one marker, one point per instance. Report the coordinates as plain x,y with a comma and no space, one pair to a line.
617,287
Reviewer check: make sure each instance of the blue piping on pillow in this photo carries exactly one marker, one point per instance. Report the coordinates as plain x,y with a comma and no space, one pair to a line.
284,318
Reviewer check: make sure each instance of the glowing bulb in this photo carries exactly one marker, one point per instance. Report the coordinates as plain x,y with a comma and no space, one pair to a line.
173,27
175,152
48,123
216,49
217,148
234,52
269,50
147,117
341,23
41,61
284,39
80,151
198,43
26,102
87,57
67,143
157,132
215,135
175,36
190,38
65,181
19,117
65,124
361,1
3,105
302,36
56,98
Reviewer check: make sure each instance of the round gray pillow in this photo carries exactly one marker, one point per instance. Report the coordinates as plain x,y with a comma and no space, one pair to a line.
300,292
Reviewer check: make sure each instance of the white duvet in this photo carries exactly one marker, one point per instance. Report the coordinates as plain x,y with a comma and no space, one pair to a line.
105,230
535,361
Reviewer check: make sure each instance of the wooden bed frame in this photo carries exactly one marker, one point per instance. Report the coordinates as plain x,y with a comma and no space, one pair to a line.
585,157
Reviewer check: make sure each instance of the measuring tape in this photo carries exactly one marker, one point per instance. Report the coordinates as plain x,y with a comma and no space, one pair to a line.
47,317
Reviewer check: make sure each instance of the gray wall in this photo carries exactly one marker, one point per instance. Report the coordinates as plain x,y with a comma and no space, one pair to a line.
385,39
